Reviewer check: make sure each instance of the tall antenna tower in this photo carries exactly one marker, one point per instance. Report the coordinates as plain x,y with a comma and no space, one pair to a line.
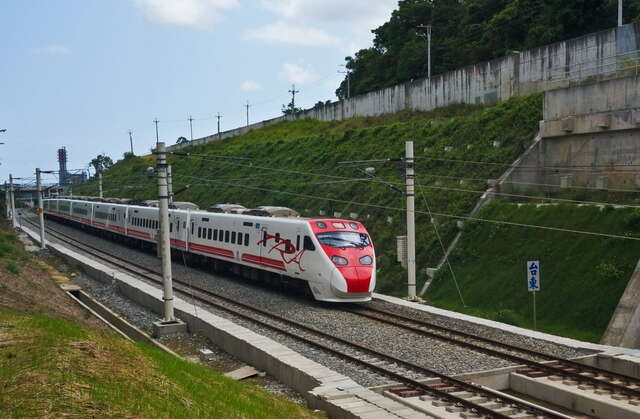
62,161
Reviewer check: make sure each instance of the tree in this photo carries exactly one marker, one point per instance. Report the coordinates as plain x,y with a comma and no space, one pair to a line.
470,31
101,163
290,109
182,140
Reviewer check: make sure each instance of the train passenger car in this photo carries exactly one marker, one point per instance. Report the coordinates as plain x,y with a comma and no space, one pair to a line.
336,258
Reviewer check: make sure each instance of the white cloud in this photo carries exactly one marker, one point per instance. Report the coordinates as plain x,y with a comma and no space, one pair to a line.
344,23
250,85
55,49
199,13
295,74
292,34
353,11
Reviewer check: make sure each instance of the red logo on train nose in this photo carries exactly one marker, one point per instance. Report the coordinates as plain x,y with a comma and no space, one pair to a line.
358,278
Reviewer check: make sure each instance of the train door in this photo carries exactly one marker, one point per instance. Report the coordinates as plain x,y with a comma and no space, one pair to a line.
191,230
264,242
298,241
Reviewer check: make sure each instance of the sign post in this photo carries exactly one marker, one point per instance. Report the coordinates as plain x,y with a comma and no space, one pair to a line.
533,284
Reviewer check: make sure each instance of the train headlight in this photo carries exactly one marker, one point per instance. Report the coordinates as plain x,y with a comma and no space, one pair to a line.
366,260
339,260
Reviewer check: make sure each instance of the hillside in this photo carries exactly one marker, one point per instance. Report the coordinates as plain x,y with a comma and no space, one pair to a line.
295,164
58,361
582,276
471,31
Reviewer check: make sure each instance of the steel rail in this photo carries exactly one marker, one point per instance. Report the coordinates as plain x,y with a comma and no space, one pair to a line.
550,368
188,290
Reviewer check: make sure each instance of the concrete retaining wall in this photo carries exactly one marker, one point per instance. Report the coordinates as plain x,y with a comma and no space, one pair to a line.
605,54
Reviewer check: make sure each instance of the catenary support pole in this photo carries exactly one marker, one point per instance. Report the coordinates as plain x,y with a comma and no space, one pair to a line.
429,51
163,198
131,141
40,209
620,12
100,185
411,221
169,184
7,204
13,202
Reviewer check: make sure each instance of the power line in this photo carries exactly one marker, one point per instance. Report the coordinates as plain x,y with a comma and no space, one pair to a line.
438,214
343,178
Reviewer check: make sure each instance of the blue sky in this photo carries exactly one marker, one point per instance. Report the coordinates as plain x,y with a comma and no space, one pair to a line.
81,73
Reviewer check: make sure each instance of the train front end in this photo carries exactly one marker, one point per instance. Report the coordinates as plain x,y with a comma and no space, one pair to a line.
349,248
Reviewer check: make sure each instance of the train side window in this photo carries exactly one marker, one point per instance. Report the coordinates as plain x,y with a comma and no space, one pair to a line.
239,238
277,237
215,234
264,238
193,226
199,232
308,244
298,242
246,239
170,227
233,237
226,236
209,234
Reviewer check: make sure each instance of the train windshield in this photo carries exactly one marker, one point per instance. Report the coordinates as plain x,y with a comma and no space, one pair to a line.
343,239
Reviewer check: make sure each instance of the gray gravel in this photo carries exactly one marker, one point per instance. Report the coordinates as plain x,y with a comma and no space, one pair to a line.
442,357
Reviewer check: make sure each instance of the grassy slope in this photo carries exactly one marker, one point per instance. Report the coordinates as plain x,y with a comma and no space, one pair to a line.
316,146
582,276
55,361
53,367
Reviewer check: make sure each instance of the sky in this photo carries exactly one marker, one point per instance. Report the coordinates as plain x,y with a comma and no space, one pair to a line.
81,73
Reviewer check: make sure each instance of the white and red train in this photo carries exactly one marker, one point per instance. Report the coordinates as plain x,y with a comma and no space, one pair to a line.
336,258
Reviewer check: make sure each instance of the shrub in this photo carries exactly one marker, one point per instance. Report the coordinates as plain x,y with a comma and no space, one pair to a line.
12,267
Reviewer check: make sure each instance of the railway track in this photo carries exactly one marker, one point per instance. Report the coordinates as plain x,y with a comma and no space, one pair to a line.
456,396
535,364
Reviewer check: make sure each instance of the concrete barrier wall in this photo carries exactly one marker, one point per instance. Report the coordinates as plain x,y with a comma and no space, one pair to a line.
605,96
597,55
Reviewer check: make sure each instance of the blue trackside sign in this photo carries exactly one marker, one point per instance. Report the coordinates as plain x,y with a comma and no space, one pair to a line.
533,275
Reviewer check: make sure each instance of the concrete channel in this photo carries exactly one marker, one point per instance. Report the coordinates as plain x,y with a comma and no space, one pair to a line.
340,396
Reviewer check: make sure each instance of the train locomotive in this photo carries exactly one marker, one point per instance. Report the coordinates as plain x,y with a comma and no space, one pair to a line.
335,257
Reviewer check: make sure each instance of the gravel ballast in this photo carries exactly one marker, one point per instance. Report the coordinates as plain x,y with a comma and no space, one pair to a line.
432,353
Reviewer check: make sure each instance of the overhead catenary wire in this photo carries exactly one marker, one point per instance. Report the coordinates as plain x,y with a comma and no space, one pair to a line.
444,250
306,173
438,214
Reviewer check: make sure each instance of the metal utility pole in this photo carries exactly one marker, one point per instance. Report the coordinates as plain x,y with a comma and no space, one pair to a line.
247,106
219,116
293,92
411,220
428,28
157,136
429,51
40,209
348,73
191,126
13,202
131,141
6,198
100,185
619,12
169,184
163,198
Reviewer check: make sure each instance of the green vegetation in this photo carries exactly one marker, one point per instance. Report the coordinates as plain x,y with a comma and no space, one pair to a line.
471,31
53,368
294,149
582,276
